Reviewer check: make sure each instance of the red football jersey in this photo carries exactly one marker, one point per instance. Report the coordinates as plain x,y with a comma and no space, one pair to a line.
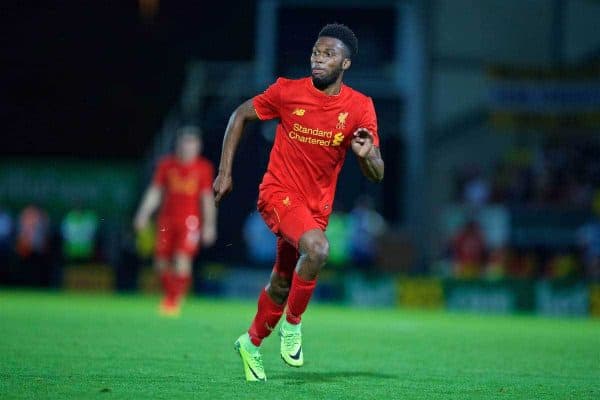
314,132
182,185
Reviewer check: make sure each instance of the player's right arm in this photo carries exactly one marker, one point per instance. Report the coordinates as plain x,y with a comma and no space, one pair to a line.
152,197
150,203
233,133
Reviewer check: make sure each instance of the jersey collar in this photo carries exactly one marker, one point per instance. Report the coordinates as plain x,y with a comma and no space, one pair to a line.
322,95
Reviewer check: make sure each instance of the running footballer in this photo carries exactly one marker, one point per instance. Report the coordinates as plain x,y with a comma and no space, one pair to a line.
187,218
320,118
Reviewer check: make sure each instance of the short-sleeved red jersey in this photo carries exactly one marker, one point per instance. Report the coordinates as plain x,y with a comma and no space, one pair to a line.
183,184
314,132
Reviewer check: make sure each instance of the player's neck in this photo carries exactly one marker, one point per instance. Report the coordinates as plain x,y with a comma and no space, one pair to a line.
332,90
185,161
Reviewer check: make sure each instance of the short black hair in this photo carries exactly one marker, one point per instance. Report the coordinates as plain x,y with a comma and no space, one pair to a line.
344,34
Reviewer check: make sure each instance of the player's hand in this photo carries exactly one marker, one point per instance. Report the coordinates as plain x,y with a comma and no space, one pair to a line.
140,223
362,142
222,186
209,236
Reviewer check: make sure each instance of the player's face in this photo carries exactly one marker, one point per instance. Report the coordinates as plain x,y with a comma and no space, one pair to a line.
188,147
328,61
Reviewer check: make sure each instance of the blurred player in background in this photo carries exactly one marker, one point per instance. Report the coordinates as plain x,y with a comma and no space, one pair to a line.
187,219
320,118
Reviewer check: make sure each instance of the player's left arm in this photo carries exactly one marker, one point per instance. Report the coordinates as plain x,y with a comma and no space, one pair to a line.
369,157
365,143
209,215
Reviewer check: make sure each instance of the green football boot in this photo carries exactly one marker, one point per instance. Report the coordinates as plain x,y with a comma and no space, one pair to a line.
291,344
251,358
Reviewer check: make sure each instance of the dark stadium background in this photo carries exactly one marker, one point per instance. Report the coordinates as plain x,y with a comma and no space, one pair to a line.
95,81
101,84
91,79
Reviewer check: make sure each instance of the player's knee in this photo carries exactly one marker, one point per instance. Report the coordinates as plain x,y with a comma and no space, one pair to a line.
183,264
161,264
317,250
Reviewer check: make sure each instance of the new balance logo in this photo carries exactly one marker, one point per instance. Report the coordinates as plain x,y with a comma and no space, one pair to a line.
299,112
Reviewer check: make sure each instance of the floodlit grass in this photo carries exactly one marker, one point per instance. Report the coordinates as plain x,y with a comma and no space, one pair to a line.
56,345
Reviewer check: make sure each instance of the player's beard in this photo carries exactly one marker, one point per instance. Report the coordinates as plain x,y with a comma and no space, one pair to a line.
322,83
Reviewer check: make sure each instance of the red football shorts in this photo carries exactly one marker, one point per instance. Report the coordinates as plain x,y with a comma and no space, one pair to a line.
287,215
177,235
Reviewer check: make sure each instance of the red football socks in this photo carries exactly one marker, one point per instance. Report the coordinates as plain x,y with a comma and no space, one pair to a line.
174,286
267,316
166,282
298,299
181,285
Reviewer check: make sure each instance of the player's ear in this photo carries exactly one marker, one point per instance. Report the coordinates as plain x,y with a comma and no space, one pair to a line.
346,64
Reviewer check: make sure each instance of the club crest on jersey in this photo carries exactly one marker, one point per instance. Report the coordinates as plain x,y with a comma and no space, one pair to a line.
342,120
299,112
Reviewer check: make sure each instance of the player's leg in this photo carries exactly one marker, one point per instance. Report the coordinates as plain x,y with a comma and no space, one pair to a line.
271,303
163,265
314,251
168,305
272,298
186,244
182,275
304,232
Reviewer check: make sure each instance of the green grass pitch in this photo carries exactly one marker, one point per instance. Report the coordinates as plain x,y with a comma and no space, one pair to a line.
55,345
